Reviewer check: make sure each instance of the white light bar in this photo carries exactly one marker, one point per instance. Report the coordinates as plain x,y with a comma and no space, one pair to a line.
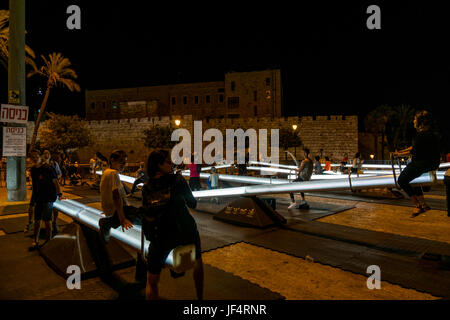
310,186
217,167
368,166
273,164
271,169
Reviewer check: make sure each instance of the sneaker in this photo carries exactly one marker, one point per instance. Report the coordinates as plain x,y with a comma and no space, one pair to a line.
303,205
292,205
29,227
104,231
34,246
417,211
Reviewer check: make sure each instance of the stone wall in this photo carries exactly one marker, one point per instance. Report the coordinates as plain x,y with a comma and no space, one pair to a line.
336,135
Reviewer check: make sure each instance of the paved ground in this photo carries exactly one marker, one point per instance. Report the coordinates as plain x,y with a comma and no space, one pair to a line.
325,258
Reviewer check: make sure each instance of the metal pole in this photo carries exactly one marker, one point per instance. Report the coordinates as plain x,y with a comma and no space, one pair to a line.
15,166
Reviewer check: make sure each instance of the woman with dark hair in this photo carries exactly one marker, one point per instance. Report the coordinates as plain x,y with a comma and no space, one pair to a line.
168,192
425,158
356,164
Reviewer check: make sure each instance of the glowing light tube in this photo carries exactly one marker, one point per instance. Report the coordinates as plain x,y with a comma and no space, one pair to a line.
309,186
269,185
368,166
90,217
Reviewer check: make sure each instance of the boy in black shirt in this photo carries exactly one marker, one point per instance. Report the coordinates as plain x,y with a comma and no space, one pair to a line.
45,191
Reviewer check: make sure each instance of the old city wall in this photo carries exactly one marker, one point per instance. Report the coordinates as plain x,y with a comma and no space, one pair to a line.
334,134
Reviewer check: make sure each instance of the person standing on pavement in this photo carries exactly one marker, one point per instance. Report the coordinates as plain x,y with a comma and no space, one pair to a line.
53,162
425,157
305,172
35,158
45,192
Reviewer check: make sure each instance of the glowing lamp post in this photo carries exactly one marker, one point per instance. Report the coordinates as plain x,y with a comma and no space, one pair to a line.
294,127
177,122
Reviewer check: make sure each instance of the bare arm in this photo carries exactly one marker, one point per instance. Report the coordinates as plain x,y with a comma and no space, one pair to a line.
118,203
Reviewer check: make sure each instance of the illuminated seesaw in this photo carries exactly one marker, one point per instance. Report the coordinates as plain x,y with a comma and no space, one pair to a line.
271,186
132,237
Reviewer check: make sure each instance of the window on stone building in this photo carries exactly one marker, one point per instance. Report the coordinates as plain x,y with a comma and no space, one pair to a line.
255,109
267,81
233,116
174,101
196,99
255,95
184,99
208,99
221,90
104,104
233,85
93,105
233,102
221,98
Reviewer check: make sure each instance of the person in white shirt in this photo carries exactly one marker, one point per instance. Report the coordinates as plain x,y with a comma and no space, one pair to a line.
115,205
113,196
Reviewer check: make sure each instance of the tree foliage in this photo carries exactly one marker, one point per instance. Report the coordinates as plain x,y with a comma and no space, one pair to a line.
61,133
289,138
4,42
57,72
158,137
394,122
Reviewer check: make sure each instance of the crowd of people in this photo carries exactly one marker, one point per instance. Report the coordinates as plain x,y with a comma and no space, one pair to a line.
166,196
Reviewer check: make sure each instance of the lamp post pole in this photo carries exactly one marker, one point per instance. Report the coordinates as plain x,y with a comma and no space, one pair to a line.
15,166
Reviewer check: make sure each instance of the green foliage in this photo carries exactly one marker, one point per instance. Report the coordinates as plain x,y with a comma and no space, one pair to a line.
394,122
289,138
61,133
4,42
158,137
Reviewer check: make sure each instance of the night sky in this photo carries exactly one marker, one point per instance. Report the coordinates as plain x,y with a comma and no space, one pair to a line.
330,62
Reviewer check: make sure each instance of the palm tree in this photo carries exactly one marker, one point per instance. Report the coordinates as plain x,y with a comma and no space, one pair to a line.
4,40
375,122
403,117
56,70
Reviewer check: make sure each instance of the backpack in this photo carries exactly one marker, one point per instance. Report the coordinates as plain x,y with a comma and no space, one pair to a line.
158,205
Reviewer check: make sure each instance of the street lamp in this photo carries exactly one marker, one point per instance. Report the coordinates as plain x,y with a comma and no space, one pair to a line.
177,122
372,156
294,127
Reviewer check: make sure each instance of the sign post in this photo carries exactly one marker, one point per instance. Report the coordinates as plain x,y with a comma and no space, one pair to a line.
15,165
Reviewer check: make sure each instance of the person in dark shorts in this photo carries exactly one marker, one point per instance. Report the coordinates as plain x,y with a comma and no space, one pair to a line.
305,172
45,191
425,157
176,226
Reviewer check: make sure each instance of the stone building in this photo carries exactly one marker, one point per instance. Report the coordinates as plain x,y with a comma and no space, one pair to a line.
240,95
334,135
